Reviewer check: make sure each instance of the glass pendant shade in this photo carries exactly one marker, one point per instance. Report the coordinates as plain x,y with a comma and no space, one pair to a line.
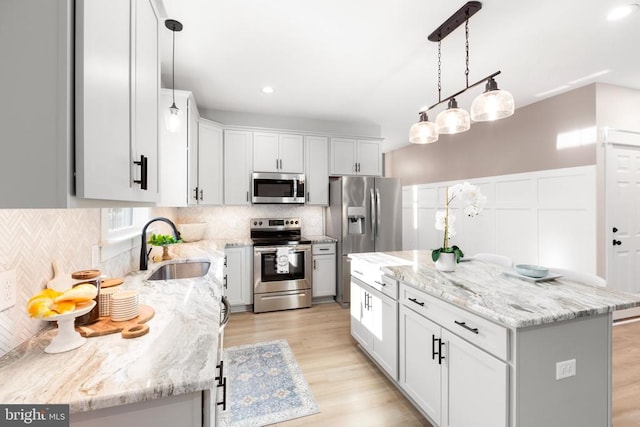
453,119
173,118
493,104
424,131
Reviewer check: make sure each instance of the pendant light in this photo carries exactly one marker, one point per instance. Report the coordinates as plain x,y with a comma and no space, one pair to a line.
424,131
493,104
453,119
173,116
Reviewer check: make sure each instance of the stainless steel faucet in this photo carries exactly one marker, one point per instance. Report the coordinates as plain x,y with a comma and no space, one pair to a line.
144,262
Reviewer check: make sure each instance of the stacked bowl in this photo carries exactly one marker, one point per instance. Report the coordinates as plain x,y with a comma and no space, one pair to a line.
124,305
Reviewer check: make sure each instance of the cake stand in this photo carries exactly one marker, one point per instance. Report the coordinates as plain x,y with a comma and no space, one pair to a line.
67,338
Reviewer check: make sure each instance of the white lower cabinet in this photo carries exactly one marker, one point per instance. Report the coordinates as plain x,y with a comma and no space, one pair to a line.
374,320
324,269
453,382
181,410
238,275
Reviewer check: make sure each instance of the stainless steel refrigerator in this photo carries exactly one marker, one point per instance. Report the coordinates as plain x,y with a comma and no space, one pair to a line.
365,215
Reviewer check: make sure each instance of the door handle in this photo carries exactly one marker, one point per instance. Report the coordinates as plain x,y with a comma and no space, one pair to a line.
434,353
195,193
373,214
143,172
467,327
420,303
617,242
377,210
314,264
615,229
201,194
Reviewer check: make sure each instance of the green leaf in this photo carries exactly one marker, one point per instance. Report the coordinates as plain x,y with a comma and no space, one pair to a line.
162,240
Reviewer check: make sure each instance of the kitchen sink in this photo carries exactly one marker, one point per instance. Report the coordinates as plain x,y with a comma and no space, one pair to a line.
180,270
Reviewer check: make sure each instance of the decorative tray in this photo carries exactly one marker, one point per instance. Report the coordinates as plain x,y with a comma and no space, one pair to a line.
550,276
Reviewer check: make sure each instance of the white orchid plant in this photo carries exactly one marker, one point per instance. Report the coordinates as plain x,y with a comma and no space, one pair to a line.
473,201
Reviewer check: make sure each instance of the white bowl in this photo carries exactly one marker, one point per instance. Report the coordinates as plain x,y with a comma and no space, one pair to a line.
535,271
192,232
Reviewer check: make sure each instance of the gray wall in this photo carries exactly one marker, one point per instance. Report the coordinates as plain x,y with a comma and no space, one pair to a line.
524,142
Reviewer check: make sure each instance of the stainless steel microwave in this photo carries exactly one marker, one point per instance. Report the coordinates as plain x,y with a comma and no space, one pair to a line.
277,188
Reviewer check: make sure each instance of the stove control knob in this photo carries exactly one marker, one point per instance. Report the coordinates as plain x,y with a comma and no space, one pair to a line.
296,222
286,222
260,223
255,222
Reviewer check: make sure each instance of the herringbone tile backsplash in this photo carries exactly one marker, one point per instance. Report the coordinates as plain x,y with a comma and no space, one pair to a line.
30,239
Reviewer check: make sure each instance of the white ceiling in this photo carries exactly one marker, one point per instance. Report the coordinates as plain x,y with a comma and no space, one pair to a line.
370,61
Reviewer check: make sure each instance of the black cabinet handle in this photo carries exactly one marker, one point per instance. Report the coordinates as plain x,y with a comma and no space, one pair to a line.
434,353
615,230
468,328
380,283
143,172
308,196
616,242
224,394
225,281
420,303
440,356
225,260
195,193
219,377
201,194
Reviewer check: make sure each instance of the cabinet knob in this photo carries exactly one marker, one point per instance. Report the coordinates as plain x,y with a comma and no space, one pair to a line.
617,242
615,229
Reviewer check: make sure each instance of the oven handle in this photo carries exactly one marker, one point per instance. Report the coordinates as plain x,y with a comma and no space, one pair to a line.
283,295
273,249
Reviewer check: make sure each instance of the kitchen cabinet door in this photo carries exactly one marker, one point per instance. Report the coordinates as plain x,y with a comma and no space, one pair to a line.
117,106
359,316
420,375
238,275
324,275
237,167
475,385
369,158
209,190
265,152
317,170
384,332
343,156
291,153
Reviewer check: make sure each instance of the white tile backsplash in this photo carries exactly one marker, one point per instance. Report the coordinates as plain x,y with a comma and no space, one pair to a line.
30,239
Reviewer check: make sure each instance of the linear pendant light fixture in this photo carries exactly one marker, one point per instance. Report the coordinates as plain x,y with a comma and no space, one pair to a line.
493,104
172,119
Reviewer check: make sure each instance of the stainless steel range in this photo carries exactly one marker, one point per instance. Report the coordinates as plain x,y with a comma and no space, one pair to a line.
281,265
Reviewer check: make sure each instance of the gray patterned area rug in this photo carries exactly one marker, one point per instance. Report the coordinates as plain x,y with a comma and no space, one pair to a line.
265,386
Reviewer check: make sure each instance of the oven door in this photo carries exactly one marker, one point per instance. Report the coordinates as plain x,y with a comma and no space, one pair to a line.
270,273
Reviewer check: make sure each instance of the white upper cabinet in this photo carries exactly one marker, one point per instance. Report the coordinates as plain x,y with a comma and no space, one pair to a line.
316,150
355,157
273,152
209,188
117,97
237,167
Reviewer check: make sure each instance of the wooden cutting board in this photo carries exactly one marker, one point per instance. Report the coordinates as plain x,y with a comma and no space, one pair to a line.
105,325
107,283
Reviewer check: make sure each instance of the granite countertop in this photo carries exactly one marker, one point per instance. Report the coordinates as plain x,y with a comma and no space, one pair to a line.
178,355
321,239
484,288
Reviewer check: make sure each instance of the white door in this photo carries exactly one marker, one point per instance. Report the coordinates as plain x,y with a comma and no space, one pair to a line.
342,157
358,310
475,386
209,164
317,170
420,375
324,275
384,332
291,153
623,212
237,167
265,152
369,158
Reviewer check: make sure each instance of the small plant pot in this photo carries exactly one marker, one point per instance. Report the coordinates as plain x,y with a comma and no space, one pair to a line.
446,262
165,253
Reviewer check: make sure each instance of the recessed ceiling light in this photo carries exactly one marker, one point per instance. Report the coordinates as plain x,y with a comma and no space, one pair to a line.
267,89
622,11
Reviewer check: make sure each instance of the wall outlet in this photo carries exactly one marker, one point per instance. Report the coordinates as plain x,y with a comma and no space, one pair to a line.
565,369
7,289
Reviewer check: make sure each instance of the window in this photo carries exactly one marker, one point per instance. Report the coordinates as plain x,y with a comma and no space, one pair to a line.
121,228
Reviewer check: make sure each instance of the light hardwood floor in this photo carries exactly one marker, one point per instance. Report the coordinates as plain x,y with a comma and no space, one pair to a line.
351,391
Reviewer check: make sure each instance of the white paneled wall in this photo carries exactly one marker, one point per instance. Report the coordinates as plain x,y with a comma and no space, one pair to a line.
544,217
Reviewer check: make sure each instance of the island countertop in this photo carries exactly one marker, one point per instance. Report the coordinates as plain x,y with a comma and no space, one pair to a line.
484,288
177,356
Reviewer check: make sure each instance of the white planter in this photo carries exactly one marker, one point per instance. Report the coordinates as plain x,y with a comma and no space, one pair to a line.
446,262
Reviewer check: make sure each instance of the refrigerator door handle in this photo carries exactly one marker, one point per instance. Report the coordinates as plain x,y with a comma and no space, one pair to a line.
377,210
373,215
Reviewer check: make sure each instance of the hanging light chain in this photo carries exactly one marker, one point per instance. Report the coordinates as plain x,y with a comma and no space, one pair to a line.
173,68
439,72
466,46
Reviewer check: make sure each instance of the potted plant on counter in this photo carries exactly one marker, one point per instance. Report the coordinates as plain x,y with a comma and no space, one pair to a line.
446,257
163,240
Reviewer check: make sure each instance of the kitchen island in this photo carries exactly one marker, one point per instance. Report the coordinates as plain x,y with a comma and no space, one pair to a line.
169,372
480,347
